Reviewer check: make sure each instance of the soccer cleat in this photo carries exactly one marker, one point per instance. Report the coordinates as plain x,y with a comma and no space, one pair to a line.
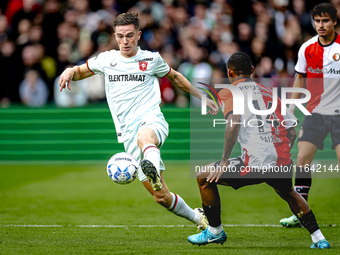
322,244
203,223
206,237
151,173
290,222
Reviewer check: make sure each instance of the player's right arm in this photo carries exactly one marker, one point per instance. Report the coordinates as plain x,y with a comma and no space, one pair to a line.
230,138
73,74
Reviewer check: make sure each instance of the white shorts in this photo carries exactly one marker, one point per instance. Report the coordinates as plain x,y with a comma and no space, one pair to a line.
161,128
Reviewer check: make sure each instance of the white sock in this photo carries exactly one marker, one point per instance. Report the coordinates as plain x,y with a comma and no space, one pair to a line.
180,208
317,236
197,217
216,230
152,153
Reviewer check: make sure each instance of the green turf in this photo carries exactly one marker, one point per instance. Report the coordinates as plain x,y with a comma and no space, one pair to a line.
74,195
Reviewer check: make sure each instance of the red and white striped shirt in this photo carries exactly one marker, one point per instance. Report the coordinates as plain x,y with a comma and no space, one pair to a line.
321,64
263,138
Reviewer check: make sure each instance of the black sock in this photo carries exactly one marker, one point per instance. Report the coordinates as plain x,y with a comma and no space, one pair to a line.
303,181
309,222
213,214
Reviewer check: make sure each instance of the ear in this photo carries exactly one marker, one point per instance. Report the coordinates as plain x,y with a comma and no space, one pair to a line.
335,22
139,34
252,70
231,73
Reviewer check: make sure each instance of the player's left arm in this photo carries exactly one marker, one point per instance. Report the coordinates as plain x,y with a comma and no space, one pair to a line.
291,135
230,138
181,82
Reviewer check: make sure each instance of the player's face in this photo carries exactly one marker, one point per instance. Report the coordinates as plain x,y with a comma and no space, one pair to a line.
324,25
127,38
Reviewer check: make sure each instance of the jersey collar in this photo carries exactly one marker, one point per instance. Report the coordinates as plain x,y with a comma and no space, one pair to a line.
336,35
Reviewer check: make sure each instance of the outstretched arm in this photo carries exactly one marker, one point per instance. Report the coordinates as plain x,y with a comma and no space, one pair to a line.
75,73
230,138
181,82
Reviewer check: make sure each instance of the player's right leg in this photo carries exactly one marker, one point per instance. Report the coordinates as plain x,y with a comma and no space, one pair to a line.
303,178
212,208
175,204
300,208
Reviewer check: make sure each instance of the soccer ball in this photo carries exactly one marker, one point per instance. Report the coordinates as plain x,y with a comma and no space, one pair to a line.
122,168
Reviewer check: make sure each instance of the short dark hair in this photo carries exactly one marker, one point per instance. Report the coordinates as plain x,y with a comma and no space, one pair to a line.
240,63
323,9
127,19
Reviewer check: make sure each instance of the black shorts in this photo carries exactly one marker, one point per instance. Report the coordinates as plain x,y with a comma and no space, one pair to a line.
283,183
316,127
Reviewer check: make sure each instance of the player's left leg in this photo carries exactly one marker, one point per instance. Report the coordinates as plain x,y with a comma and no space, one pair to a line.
300,208
147,141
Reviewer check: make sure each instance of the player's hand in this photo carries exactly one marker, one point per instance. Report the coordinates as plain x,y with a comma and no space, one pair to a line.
292,111
213,108
215,175
217,172
66,78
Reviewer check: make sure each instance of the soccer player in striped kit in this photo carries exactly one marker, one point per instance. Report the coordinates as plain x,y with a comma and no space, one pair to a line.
265,146
318,68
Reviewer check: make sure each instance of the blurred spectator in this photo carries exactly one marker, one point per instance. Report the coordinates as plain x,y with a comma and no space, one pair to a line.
197,36
6,62
33,90
77,96
304,19
195,68
3,29
154,8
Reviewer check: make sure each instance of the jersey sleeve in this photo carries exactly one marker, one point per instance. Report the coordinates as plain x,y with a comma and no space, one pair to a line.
301,65
95,64
227,102
162,68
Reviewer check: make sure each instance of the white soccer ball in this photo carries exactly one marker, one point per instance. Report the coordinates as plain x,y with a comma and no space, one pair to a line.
122,168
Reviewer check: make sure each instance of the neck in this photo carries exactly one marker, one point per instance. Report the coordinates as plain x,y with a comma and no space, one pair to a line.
237,77
327,39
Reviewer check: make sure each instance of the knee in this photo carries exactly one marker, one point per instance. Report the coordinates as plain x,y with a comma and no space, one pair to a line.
201,179
303,159
141,141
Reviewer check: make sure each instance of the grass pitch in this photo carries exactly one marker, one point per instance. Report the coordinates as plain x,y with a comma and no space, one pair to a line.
77,209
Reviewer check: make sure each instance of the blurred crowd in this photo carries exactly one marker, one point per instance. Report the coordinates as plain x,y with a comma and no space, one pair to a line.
40,38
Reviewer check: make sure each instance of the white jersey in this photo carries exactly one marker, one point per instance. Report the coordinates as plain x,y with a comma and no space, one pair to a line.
263,138
131,85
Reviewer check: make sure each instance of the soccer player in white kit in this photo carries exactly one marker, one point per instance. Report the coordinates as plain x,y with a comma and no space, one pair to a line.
133,96
319,67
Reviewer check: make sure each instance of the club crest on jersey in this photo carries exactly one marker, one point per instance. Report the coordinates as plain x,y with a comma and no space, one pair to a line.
336,57
143,65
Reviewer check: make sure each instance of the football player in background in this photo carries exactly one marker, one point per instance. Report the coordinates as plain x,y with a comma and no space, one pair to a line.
266,146
133,96
318,67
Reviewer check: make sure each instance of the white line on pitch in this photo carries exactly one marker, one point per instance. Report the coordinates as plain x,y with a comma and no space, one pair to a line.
147,226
